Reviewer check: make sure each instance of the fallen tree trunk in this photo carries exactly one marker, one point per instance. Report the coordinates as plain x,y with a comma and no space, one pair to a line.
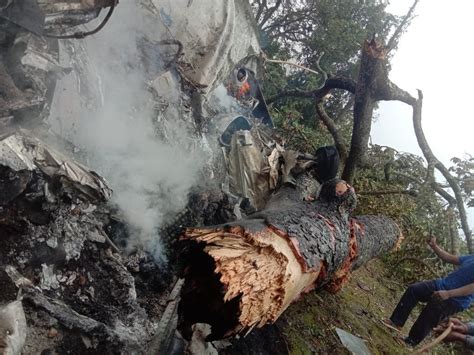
245,274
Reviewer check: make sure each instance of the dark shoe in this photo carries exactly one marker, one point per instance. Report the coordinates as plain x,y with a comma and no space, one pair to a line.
410,342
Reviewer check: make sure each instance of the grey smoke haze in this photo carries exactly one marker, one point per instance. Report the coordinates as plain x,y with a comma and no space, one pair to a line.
150,178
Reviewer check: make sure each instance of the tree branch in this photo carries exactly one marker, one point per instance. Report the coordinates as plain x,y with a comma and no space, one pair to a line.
388,91
331,126
393,41
260,8
372,73
434,185
431,158
286,62
269,13
317,94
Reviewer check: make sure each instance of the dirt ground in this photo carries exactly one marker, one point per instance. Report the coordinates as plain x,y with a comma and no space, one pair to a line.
370,296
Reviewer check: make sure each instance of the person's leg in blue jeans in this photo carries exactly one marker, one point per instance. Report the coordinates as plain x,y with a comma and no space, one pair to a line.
417,292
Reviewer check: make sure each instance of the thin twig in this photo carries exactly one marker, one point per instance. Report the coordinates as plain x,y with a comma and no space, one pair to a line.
415,260
286,62
436,341
392,43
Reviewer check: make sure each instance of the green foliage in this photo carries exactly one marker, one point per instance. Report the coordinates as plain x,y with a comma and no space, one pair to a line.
340,27
303,30
418,217
336,28
464,171
296,134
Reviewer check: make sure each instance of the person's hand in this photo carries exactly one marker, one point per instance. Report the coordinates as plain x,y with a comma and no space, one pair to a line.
455,336
459,326
441,295
432,241
441,327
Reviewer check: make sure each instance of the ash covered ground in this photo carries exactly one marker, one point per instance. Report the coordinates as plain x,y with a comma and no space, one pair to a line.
108,148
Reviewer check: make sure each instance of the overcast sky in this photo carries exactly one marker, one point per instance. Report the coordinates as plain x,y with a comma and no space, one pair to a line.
436,56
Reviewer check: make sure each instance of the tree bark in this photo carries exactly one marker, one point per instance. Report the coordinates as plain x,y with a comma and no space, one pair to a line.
453,233
373,75
331,126
432,160
245,274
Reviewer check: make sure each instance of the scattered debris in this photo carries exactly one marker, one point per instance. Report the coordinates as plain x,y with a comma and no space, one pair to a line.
13,328
352,343
198,344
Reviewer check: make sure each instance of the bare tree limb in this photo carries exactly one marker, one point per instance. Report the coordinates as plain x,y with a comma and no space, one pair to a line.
286,62
320,69
430,157
331,126
388,91
261,6
393,41
269,13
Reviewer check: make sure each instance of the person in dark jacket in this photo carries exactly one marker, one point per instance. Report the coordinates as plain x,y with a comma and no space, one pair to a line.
445,297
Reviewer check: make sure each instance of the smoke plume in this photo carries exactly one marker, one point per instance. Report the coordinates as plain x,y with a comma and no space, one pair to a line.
119,134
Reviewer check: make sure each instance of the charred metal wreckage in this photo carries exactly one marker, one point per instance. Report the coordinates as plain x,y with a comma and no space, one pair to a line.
70,281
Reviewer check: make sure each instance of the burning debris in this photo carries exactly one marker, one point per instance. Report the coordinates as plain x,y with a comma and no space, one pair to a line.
55,248
96,269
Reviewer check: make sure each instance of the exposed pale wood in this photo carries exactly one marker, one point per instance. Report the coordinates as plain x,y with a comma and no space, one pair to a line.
245,274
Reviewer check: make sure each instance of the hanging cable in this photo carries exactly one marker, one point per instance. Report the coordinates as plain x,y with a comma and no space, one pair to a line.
83,34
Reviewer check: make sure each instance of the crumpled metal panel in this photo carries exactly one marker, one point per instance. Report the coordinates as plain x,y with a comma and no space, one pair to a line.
34,15
26,14
257,165
21,152
215,51
246,165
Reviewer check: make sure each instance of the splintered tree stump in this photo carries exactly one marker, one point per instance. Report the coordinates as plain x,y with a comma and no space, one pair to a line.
244,274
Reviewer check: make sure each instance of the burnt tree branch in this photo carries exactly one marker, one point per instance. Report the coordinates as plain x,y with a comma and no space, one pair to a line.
245,274
373,75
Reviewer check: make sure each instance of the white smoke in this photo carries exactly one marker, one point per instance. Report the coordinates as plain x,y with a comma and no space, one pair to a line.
150,178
